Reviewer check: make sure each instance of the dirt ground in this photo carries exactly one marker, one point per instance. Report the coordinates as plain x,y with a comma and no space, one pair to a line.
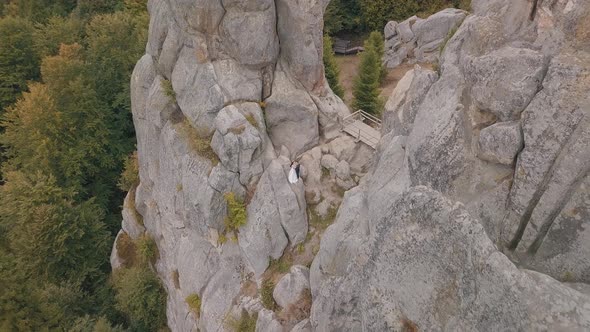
348,70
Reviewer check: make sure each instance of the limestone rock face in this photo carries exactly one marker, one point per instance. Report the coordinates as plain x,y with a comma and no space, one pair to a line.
419,39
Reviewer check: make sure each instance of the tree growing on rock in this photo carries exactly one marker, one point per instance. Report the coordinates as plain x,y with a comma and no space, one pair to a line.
366,84
331,68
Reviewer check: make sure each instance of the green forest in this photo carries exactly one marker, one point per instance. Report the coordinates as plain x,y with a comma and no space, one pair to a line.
65,134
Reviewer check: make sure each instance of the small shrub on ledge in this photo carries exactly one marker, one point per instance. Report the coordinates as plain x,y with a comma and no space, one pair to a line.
147,248
130,177
168,90
194,302
236,213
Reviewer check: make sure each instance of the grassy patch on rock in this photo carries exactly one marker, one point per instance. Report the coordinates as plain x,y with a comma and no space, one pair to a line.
194,303
266,297
246,323
236,212
199,141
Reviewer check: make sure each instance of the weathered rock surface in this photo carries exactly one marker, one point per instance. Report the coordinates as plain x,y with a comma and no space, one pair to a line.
419,39
291,116
132,223
402,105
276,216
303,326
402,256
238,143
505,81
501,142
289,289
116,260
425,261
267,321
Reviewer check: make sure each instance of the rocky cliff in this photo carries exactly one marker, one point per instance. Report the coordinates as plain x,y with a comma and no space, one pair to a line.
474,212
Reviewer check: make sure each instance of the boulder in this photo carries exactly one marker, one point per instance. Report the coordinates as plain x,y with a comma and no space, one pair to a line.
343,147
311,173
197,261
238,82
223,287
390,30
300,26
343,178
289,289
431,32
201,16
410,270
329,162
437,153
506,80
501,142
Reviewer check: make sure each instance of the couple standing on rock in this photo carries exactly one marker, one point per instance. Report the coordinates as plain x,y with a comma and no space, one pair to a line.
294,172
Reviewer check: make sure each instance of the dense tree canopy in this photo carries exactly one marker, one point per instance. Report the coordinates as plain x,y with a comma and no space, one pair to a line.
65,130
18,62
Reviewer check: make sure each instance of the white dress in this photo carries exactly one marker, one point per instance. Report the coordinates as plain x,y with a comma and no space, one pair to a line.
293,178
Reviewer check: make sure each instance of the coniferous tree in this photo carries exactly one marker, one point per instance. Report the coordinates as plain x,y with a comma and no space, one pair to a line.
375,41
366,84
331,68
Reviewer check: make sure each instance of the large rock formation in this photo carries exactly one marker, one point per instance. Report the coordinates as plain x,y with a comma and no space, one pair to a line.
490,184
480,178
246,78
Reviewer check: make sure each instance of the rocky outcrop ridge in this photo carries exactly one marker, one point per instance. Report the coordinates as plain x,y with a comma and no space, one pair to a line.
420,40
444,232
223,87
